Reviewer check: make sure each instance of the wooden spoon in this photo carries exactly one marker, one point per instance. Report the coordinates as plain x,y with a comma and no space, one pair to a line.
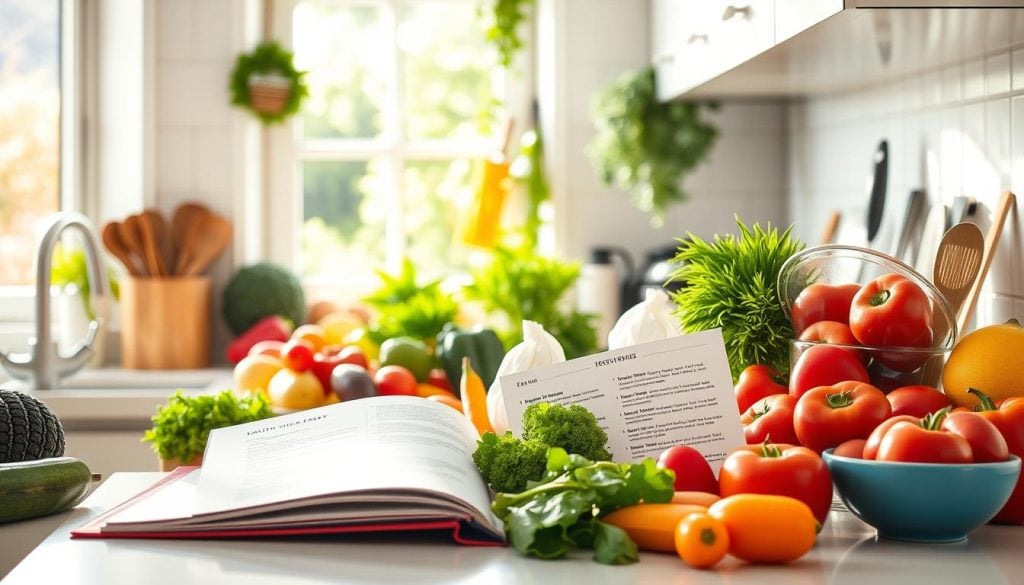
184,219
995,231
160,234
113,243
147,235
208,238
132,239
956,265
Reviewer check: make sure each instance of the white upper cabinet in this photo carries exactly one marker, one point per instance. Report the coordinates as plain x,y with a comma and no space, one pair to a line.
780,48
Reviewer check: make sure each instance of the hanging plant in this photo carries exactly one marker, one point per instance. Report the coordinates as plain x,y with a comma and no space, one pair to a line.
503,19
266,82
647,146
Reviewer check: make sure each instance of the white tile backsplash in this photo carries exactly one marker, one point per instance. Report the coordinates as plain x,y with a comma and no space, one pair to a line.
968,119
174,155
174,29
997,74
213,27
213,159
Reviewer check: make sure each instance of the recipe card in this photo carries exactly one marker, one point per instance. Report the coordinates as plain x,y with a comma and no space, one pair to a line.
648,397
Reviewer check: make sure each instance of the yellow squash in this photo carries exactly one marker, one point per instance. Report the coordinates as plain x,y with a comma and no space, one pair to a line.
988,359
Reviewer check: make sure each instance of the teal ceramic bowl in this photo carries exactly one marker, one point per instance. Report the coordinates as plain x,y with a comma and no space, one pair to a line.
923,502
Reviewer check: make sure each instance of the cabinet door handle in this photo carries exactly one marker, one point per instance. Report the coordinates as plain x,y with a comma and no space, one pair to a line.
696,38
732,11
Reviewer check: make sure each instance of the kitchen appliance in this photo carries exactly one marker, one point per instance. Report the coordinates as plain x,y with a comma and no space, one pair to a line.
602,287
654,273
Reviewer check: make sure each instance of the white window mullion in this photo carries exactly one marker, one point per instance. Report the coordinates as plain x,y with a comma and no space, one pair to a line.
395,233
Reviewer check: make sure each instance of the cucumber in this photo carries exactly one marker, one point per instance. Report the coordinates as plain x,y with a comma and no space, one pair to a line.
45,486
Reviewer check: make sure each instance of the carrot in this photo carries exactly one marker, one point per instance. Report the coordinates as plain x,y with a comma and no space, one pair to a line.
652,526
474,398
695,498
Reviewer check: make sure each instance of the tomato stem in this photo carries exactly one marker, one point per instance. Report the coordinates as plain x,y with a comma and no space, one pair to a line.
768,449
756,414
840,400
879,298
707,536
984,400
933,421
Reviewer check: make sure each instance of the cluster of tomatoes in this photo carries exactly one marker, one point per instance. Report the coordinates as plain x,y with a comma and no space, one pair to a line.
891,312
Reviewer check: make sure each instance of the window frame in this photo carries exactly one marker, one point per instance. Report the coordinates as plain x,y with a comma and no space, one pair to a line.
285,151
77,25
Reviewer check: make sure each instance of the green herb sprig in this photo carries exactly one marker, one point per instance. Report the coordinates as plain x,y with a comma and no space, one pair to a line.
522,285
563,511
182,425
731,283
407,308
647,146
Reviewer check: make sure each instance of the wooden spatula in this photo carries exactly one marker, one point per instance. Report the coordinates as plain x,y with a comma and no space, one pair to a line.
185,218
957,263
150,245
995,231
112,241
132,239
208,238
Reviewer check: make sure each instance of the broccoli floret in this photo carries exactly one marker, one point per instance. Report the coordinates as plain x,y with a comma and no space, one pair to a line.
573,428
508,463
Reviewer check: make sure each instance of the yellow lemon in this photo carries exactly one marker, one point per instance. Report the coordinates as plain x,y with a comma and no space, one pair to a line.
988,359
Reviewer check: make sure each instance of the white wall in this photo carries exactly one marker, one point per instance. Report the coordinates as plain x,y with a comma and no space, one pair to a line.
586,44
203,146
970,116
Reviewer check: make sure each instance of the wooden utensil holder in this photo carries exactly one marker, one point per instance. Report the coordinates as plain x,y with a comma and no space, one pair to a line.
165,323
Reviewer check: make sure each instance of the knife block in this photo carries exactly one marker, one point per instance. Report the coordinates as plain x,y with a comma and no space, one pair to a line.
165,323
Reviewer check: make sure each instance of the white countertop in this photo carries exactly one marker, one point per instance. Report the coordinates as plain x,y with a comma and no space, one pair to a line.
111,398
847,552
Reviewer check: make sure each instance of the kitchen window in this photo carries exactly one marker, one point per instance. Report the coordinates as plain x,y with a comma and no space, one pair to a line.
404,97
38,110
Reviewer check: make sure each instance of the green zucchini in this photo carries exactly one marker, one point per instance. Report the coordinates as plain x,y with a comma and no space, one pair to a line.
45,486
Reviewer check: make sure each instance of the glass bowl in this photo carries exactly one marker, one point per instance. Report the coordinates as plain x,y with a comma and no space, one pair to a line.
836,264
922,365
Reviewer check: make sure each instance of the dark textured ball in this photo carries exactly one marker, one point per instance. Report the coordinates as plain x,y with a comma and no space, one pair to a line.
28,429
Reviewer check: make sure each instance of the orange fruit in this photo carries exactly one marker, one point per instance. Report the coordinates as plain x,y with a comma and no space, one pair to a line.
312,334
339,324
428,390
988,359
448,400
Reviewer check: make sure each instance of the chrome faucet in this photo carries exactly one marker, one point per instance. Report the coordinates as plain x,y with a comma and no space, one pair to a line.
43,366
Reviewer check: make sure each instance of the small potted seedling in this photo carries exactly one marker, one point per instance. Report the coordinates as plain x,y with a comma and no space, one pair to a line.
182,426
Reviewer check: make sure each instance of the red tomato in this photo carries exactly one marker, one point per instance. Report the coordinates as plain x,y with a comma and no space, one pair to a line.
776,469
823,302
395,380
828,415
875,438
1008,417
693,474
892,311
770,419
987,443
824,365
297,356
916,400
909,442
832,332
757,382
439,378
353,354
854,448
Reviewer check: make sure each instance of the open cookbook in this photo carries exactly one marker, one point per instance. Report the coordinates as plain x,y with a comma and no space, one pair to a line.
390,464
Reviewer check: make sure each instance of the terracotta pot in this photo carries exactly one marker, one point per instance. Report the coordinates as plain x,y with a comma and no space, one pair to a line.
173,463
269,94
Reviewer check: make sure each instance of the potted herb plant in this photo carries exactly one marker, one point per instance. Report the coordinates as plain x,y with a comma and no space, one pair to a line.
182,426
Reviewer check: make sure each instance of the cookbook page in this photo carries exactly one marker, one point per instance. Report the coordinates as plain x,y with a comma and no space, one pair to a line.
647,397
383,443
